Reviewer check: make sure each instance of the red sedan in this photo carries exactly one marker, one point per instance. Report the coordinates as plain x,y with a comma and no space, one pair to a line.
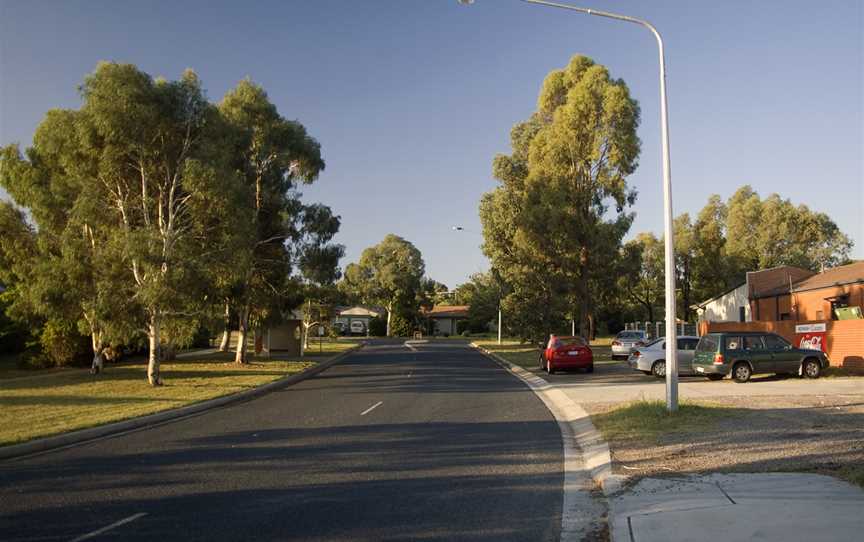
564,353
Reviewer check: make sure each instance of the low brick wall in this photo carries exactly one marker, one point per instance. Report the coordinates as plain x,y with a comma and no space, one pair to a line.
844,339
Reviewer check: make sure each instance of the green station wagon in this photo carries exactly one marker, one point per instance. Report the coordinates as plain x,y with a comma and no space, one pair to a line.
743,354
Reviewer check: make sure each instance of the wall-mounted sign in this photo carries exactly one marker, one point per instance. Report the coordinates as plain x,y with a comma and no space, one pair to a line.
810,328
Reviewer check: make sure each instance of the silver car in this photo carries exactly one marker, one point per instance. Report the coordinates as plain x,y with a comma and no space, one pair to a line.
626,341
651,358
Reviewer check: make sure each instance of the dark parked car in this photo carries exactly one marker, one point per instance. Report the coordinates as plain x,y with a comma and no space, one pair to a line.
745,354
562,353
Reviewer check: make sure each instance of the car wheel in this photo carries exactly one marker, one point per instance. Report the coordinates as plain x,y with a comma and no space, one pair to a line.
741,372
715,377
811,368
659,369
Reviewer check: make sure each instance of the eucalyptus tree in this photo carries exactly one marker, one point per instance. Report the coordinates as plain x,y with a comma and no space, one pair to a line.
564,192
159,190
272,156
388,274
318,263
643,283
69,270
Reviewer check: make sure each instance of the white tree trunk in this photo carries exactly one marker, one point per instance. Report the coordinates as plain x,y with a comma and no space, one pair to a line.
240,353
154,356
226,333
98,359
389,314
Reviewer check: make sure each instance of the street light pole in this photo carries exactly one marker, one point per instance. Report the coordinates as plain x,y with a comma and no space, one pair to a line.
671,342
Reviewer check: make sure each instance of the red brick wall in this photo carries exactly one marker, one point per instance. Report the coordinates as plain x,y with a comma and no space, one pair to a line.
844,339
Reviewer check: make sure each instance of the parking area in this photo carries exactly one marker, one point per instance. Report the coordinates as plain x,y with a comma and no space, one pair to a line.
615,382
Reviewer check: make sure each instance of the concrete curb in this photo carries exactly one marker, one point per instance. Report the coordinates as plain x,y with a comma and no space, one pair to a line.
576,427
110,429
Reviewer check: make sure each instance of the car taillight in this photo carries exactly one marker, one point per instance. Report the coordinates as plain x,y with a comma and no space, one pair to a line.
636,354
718,359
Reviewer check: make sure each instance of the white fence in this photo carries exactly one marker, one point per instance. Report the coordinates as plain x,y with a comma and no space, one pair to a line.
658,329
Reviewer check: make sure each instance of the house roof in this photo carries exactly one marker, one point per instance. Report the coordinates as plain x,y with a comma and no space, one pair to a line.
775,281
448,311
838,276
718,296
359,310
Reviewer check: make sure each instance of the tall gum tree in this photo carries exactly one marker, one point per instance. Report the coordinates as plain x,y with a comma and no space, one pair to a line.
564,191
272,156
72,272
162,183
388,274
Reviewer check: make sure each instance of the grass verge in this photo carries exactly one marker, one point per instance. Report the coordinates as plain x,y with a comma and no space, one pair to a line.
74,399
648,421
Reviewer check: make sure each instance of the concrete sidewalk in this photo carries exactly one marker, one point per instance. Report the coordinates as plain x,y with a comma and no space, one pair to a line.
738,507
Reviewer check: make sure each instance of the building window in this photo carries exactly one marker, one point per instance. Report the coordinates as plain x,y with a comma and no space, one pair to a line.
742,314
839,302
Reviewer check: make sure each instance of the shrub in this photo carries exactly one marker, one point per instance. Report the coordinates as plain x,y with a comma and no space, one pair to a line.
377,327
400,326
63,344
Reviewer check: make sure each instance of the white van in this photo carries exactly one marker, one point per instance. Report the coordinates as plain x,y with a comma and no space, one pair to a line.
357,326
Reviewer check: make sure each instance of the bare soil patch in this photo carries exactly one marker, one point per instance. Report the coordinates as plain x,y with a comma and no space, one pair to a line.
818,433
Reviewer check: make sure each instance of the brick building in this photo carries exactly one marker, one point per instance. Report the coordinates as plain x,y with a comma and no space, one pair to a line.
782,304
807,296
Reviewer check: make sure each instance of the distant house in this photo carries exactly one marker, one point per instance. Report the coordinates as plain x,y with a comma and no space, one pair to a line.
357,314
443,318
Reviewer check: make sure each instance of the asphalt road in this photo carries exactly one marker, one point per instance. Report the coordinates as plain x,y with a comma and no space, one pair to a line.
390,444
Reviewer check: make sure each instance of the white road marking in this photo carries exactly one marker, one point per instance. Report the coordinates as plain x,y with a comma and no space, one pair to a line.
410,347
371,408
109,527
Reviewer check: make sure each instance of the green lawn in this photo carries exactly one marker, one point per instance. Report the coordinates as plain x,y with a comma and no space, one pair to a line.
61,401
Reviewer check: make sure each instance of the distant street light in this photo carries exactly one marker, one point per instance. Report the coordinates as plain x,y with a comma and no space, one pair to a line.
671,342
460,228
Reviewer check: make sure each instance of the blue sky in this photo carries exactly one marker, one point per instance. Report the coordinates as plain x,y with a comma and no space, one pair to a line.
411,99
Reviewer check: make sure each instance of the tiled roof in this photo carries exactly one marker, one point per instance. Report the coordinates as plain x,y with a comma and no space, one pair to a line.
449,311
845,274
